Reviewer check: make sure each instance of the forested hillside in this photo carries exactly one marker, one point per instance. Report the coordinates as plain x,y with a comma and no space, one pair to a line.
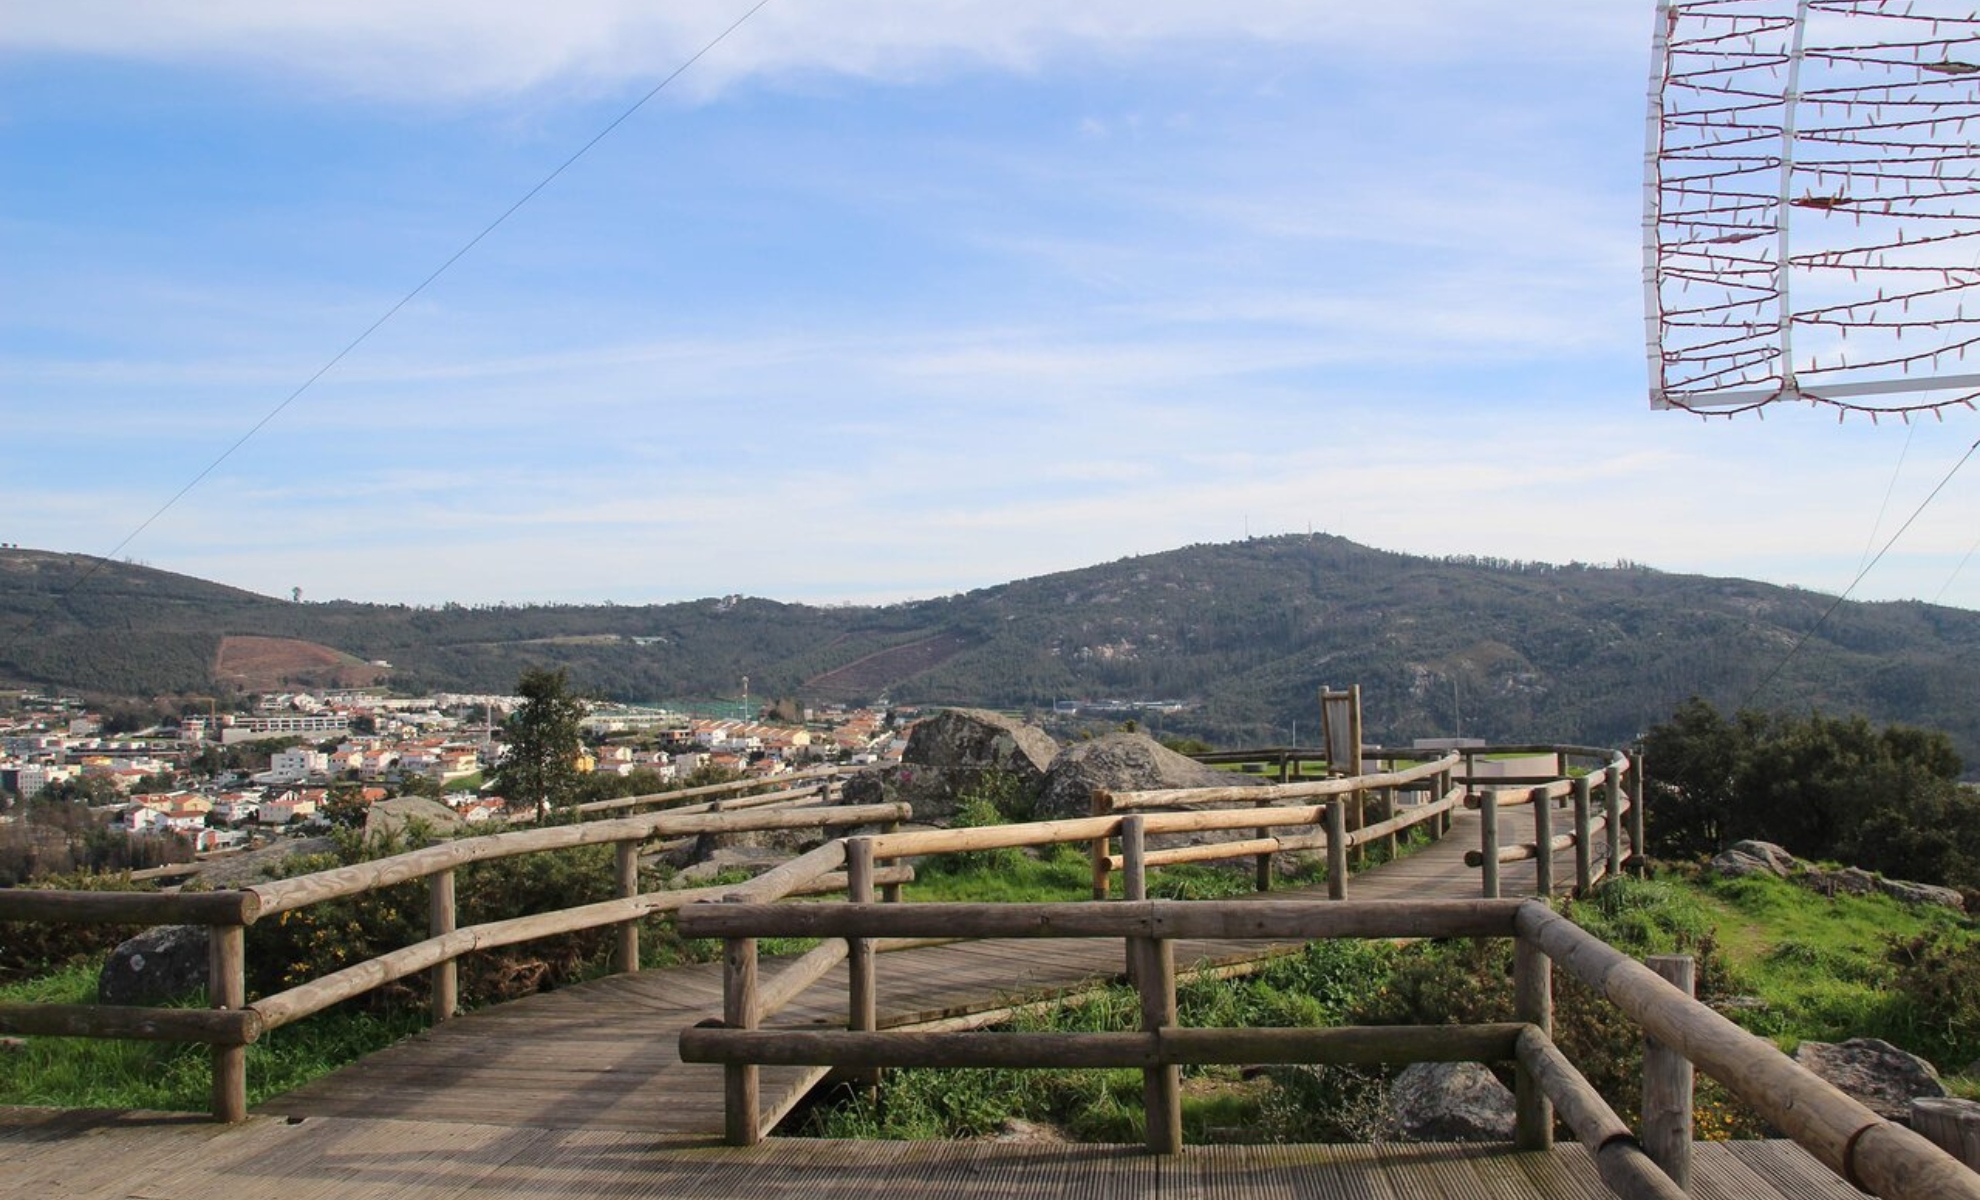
1245,632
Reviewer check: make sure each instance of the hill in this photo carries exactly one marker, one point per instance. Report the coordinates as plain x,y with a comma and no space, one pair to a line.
1245,631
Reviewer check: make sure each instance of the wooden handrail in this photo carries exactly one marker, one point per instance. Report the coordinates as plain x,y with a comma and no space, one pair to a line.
1276,920
1364,1045
284,894
129,908
1877,1155
1124,801
813,777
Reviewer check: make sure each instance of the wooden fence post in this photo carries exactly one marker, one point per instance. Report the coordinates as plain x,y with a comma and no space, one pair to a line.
1951,1123
625,871
1488,841
742,1120
1134,880
1667,1085
226,987
1264,880
1337,859
441,919
1543,833
863,1000
1636,790
1102,804
1584,851
1161,1085
1389,810
1612,820
1533,1003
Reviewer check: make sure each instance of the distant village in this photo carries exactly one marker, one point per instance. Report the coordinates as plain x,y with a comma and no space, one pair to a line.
203,778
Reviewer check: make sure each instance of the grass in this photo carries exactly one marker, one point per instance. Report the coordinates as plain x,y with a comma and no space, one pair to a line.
173,1077
1817,965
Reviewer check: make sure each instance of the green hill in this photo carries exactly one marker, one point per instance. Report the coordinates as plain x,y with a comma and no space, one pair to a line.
1244,631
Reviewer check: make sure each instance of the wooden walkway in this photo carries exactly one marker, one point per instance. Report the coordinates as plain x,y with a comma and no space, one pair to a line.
580,1093
602,1055
62,1155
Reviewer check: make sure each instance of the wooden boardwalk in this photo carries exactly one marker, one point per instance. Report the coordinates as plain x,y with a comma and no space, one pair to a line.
602,1055
580,1093
60,1155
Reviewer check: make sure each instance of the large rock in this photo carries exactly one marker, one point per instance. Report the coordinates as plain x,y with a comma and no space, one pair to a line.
1737,864
952,752
1778,860
1881,1076
1123,762
390,817
1922,893
1850,881
1451,1102
168,962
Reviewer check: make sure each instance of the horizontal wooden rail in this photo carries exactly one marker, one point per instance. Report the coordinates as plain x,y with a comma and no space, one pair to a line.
1514,797
800,973
815,777
1250,818
1877,1155
1287,920
1125,801
129,908
1527,851
780,881
214,1026
320,993
284,894
1365,1045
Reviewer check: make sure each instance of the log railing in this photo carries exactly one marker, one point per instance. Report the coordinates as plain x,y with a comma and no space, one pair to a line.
1602,809
1339,825
232,1022
1870,1152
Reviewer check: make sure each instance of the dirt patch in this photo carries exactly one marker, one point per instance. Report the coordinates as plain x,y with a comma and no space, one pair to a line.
266,664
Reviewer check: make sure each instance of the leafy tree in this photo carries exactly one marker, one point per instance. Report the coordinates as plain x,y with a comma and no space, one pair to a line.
1825,787
544,740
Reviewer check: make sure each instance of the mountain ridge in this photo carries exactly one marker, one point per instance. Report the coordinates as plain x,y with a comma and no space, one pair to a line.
1245,631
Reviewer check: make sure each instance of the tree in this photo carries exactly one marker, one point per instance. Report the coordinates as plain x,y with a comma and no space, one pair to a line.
544,740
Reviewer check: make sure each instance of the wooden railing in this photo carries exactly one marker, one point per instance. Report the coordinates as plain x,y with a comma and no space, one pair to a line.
1620,815
1877,1155
232,1022
1340,826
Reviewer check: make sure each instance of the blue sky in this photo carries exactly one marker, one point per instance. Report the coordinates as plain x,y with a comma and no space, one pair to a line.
878,301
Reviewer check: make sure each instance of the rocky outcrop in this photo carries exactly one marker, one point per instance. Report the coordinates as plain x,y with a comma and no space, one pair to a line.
1921,893
1752,857
1451,1102
389,817
1765,858
952,752
1876,1073
1122,762
161,964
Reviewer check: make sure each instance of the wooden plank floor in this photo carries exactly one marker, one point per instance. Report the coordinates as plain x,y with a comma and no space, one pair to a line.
63,1155
602,1055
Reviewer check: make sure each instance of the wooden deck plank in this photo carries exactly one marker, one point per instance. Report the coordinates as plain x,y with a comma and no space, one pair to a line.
127,1156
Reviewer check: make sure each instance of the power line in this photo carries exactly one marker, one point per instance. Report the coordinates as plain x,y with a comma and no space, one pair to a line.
1956,570
1867,568
393,311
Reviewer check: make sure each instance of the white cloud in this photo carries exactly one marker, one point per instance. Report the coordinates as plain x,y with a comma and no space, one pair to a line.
460,48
